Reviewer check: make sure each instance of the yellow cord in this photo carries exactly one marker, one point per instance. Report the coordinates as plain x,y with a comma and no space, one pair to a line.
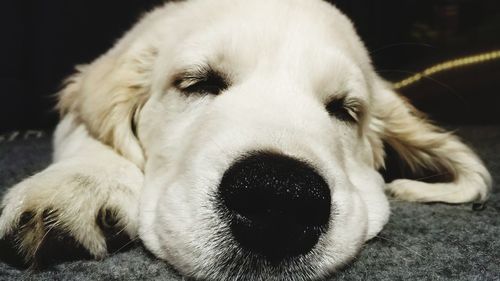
469,60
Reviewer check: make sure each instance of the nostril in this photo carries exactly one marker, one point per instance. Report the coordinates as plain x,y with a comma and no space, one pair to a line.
278,205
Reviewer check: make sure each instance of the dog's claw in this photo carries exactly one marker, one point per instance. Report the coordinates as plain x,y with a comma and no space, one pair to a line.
479,206
26,217
107,218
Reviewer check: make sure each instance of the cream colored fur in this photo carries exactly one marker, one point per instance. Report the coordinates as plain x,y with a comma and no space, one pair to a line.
285,60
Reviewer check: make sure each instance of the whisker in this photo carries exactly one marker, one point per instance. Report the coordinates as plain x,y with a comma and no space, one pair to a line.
432,79
400,245
416,44
433,176
133,240
121,230
37,248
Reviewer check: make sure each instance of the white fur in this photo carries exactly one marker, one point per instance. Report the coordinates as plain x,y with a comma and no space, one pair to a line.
285,60
77,185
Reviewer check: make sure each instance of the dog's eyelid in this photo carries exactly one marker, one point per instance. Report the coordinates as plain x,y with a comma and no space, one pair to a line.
344,108
356,107
184,81
355,104
201,80
189,76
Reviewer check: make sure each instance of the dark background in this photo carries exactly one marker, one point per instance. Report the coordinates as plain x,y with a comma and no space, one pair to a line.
43,40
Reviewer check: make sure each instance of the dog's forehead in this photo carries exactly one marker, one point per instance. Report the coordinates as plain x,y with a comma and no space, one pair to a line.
297,35
264,29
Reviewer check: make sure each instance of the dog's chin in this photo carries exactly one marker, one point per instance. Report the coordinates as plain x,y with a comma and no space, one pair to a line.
255,268
239,264
226,260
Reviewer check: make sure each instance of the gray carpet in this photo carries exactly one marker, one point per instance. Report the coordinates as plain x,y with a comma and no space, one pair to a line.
420,242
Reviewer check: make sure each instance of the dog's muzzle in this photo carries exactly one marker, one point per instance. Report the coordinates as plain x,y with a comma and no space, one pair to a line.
277,206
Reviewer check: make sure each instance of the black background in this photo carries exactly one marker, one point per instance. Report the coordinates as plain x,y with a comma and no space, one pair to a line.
42,41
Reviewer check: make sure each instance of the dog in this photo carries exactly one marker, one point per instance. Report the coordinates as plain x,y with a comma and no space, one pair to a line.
239,140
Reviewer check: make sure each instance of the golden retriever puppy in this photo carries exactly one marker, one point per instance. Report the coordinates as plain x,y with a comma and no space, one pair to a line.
240,140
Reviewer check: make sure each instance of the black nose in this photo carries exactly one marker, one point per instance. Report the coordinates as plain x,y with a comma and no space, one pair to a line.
278,206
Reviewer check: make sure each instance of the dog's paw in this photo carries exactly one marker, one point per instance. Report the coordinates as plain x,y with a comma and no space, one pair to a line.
69,211
454,193
407,190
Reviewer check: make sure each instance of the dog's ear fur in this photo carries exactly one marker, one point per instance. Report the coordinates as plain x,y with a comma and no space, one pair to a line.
423,146
107,95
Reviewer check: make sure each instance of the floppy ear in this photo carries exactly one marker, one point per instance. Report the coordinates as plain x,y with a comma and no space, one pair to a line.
107,95
424,146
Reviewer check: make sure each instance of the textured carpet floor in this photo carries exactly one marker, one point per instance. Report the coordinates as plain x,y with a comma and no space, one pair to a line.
420,242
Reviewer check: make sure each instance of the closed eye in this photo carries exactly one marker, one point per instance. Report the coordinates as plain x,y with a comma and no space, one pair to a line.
201,80
345,109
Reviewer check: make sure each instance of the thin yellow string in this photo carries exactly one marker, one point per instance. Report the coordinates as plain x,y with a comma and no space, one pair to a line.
455,63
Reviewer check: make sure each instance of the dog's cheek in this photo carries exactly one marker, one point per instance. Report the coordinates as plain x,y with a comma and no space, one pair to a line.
348,227
376,201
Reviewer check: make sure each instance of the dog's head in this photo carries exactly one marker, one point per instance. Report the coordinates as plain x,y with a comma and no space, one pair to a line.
259,127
